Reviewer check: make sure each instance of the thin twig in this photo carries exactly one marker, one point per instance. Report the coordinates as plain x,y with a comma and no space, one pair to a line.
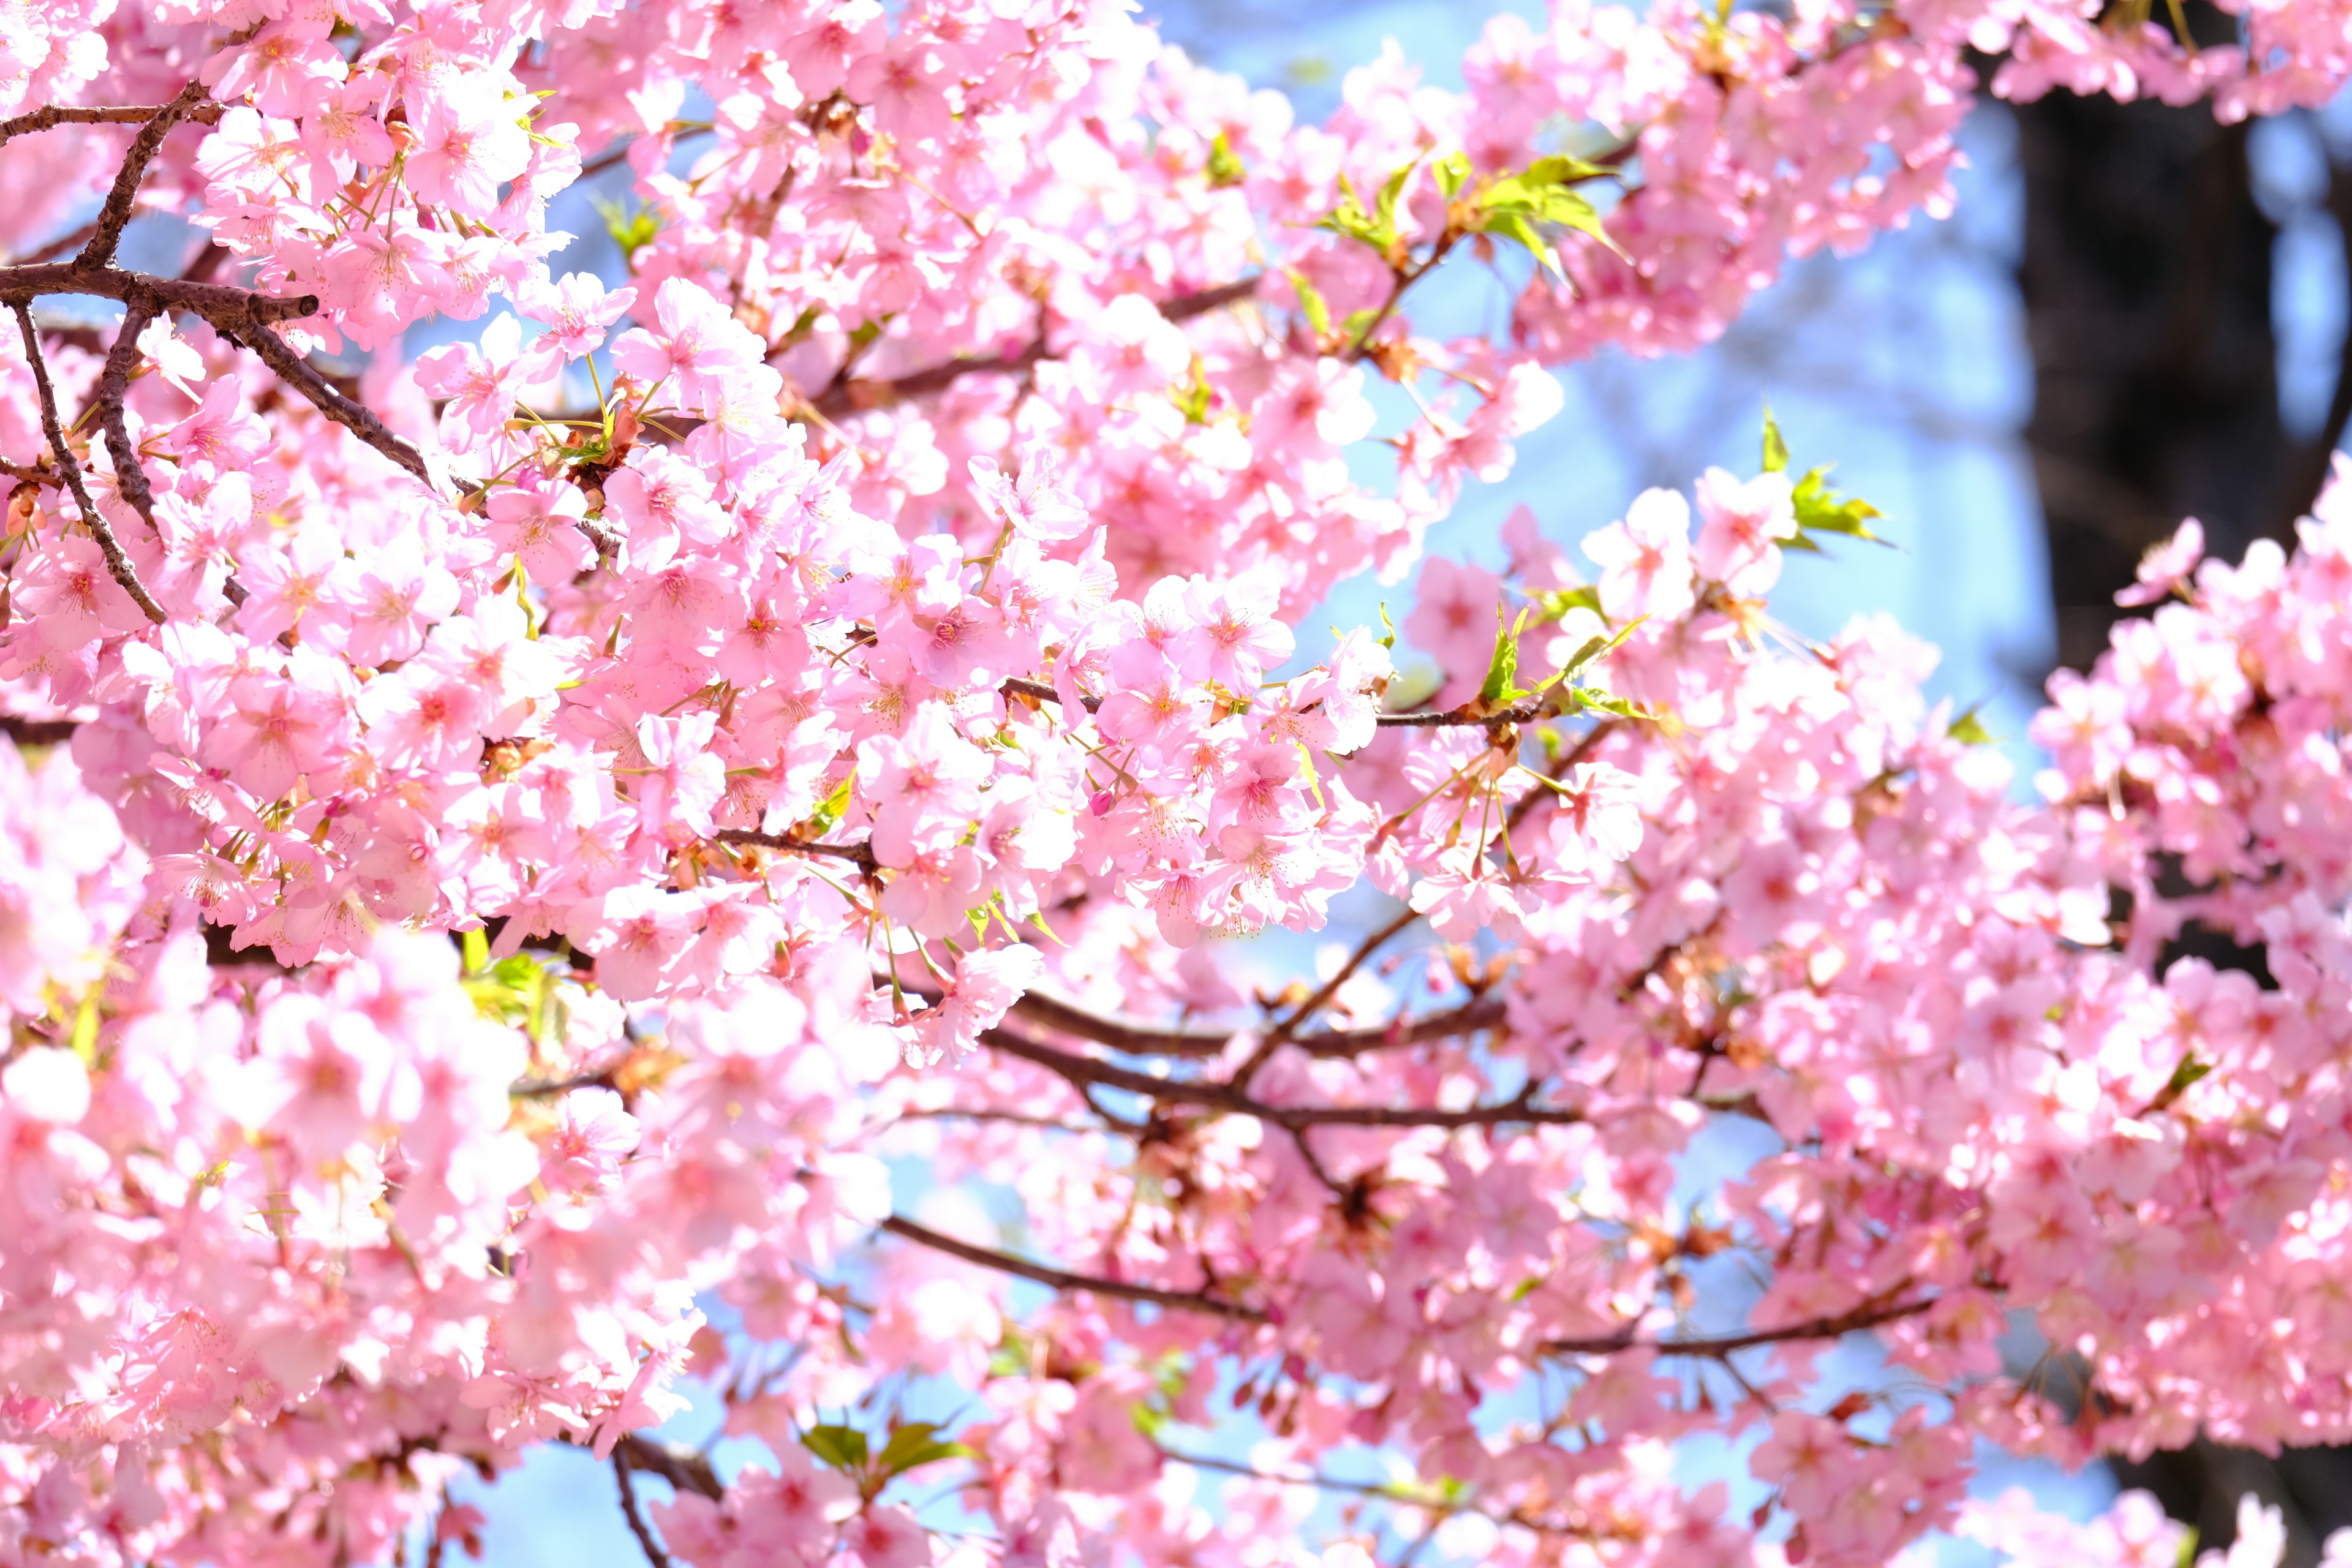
1145,1039
1080,1070
1716,1347
858,855
1063,1280
117,563
683,1469
355,418
637,1526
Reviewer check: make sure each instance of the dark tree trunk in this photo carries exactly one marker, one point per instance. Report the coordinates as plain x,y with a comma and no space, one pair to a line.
2146,283
2147,280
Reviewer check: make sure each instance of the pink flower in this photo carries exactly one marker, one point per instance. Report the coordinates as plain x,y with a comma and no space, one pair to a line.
1646,560
467,144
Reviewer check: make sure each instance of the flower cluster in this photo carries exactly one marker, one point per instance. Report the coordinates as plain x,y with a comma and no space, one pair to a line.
502,850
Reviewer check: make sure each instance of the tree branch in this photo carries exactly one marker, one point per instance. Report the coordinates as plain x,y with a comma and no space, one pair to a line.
858,855
855,396
38,732
236,312
1145,1039
1083,1070
685,1469
113,387
116,213
117,564
206,113
355,418
637,1526
1062,1279
1869,1315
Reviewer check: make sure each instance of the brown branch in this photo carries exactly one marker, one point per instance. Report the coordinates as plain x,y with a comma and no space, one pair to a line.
355,418
858,855
1083,1070
853,395
637,1526
206,113
1145,1039
1870,1315
1281,1033
1063,1280
236,312
116,211
38,732
113,387
685,1469
1044,692
117,564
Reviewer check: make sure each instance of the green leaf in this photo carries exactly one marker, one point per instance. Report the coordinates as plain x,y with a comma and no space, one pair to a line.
1554,603
834,805
913,1446
2190,1069
1199,395
632,227
1392,191
1224,167
1776,450
1351,220
1388,627
1311,304
1597,648
843,1447
476,946
1514,224
1500,687
1357,324
1821,509
1560,170
1453,172
1969,731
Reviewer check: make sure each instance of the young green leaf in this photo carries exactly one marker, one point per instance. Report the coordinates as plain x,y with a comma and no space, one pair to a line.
1500,688
1969,731
1311,304
1776,450
1225,167
1453,172
843,1447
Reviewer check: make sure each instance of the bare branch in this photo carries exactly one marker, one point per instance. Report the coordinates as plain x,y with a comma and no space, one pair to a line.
116,213
355,418
1870,1315
206,113
1082,1071
1062,1279
1145,1039
685,1469
637,1526
858,855
117,563
239,312
850,397
38,732
113,387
